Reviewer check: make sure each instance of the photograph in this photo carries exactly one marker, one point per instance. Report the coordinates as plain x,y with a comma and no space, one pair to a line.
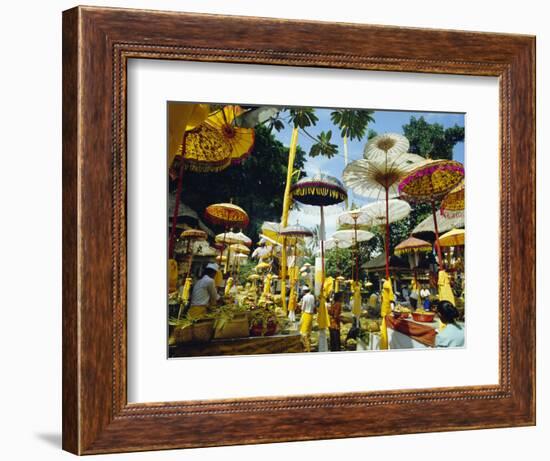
313,229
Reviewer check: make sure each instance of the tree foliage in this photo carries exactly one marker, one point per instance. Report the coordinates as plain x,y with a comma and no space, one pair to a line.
432,139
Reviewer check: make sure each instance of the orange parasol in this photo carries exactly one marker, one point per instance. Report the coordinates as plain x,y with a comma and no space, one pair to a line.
226,214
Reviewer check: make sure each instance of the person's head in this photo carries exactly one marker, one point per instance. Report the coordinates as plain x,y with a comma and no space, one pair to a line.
211,270
338,297
447,312
305,290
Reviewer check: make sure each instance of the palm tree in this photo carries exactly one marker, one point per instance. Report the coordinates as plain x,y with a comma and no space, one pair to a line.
352,124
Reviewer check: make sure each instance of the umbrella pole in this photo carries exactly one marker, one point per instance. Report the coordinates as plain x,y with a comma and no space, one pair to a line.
356,251
387,242
322,251
172,240
437,247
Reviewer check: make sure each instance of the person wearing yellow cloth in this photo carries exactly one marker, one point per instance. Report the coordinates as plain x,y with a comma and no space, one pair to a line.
385,309
307,306
204,294
444,290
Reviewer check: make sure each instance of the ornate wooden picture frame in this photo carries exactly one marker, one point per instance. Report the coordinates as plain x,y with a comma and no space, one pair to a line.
97,44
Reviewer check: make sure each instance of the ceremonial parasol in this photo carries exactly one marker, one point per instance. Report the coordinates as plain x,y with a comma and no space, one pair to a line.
262,266
453,238
240,140
228,215
295,232
333,243
353,218
190,236
412,246
207,144
445,222
320,190
430,182
386,162
454,200
385,144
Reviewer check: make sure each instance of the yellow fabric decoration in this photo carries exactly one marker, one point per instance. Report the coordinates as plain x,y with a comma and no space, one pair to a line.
322,315
328,287
444,288
218,279
287,200
356,308
387,298
228,286
183,117
186,290
267,285
292,298
172,275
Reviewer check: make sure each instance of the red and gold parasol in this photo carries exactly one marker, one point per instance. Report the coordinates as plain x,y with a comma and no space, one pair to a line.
430,182
454,200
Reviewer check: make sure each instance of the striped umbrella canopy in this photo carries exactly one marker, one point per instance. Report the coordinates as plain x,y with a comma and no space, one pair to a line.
319,190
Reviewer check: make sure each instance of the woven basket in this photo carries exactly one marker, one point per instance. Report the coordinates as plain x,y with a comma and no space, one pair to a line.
234,328
183,335
203,330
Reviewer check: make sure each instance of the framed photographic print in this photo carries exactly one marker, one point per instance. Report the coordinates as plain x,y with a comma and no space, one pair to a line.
264,230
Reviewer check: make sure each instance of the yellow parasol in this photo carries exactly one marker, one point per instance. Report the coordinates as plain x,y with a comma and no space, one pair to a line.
453,238
226,214
454,200
240,140
262,266
183,117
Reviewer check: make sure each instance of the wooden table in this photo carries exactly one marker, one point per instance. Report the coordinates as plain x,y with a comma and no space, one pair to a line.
276,344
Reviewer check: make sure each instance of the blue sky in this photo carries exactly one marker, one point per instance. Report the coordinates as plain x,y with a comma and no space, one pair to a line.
385,121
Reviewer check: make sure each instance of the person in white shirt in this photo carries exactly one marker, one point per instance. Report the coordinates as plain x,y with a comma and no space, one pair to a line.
307,305
204,292
425,297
